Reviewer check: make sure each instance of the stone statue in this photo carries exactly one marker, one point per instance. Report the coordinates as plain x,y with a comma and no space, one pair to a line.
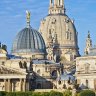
0,44
4,47
28,18
28,15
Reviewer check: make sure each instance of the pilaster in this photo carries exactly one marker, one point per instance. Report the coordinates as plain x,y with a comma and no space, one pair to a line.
20,84
5,84
9,85
24,85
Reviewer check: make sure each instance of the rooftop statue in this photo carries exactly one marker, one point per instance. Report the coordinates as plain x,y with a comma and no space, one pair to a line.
28,14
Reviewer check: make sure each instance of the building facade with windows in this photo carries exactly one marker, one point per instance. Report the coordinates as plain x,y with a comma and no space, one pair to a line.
47,59
86,66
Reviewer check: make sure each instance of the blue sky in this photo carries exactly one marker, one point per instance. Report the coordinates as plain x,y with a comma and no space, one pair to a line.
13,18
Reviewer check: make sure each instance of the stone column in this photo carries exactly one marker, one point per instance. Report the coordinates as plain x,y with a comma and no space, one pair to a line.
50,3
24,85
55,2
20,84
5,84
73,92
28,85
62,3
12,87
9,86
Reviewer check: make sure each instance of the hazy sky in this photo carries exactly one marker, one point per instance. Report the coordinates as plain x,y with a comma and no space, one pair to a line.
13,18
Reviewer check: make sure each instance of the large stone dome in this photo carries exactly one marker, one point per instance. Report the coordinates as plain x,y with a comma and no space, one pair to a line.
28,41
61,25
61,28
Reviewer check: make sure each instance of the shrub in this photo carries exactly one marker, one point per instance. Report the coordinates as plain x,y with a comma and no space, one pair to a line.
19,94
86,93
2,93
45,94
29,93
53,93
67,93
11,94
36,94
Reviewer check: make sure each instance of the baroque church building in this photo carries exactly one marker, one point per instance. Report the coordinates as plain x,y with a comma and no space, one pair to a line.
62,33
48,58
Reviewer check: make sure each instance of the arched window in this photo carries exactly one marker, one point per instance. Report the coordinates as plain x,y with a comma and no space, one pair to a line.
46,69
38,71
51,58
67,27
54,73
70,35
87,83
49,31
57,59
87,66
20,64
67,35
25,65
64,86
59,82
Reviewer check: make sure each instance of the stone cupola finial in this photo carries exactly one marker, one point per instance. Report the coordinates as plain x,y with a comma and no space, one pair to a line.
88,34
88,44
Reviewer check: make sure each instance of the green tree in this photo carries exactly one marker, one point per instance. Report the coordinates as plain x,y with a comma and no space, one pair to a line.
3,93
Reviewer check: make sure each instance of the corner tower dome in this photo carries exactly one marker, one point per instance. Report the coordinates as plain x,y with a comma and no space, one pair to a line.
29,42
57,22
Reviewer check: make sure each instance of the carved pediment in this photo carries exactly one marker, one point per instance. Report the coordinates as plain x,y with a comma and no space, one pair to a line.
5,70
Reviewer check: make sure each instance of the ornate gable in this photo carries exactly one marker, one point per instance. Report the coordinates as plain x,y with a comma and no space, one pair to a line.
6,70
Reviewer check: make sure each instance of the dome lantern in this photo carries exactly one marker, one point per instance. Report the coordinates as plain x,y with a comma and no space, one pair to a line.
57,7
